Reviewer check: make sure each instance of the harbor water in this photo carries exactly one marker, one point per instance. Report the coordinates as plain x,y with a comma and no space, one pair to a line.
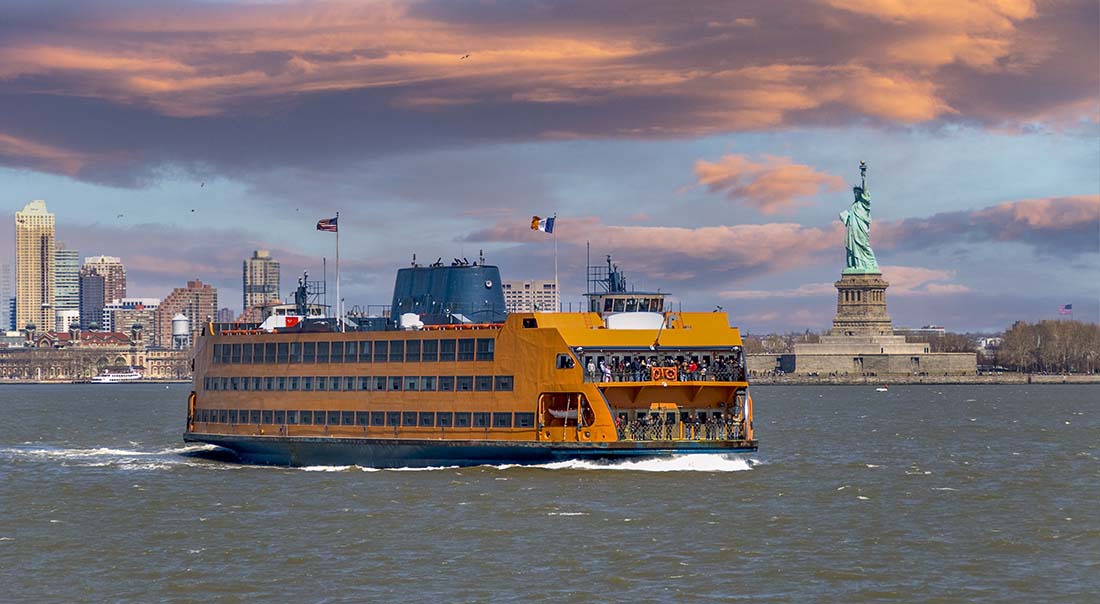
919,494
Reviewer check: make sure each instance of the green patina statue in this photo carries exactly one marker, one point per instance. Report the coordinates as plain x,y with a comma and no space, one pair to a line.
860,257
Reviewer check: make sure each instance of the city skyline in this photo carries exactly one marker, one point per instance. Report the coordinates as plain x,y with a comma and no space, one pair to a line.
709,151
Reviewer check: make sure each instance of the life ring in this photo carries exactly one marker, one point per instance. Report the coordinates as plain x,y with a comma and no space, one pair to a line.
656,374
670,374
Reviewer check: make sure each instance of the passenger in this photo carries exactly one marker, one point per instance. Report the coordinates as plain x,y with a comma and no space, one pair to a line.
591,369
606,371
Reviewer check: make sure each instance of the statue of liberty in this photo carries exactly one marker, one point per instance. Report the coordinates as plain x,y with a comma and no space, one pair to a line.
857,242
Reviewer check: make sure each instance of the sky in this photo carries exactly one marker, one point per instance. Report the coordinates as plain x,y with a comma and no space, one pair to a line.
707,146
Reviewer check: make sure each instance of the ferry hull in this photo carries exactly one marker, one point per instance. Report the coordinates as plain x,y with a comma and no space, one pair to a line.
412,453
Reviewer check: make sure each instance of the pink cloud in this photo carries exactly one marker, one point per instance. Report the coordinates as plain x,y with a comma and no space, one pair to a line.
771,185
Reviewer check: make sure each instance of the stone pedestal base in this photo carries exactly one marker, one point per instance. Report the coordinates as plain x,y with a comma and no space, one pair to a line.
861,306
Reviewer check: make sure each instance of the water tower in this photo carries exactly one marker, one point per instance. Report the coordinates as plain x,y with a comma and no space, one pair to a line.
181,331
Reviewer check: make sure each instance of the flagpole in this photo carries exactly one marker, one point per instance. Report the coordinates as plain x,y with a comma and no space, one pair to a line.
557,289
339,301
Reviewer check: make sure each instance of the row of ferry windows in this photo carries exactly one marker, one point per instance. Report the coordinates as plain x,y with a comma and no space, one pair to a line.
405,419
363,383
381,351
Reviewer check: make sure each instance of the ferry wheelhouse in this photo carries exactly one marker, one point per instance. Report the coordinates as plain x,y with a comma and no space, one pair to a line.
455,380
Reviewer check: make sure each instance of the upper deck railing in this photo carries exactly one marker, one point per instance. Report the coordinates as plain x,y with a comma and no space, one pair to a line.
706,367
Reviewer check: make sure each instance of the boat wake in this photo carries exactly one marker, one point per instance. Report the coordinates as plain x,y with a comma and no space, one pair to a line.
678,463
124,459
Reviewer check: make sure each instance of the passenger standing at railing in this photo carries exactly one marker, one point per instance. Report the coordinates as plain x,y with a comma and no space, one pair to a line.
591,370
605,371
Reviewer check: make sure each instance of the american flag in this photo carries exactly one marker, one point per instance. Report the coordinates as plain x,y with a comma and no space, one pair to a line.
327,224
1065,309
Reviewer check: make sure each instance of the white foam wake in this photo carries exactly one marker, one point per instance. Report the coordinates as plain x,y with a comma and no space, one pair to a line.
677,463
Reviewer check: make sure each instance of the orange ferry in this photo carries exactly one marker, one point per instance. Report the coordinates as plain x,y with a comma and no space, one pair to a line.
435,388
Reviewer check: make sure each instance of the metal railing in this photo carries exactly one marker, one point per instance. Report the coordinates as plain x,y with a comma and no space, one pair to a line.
726,374
658,429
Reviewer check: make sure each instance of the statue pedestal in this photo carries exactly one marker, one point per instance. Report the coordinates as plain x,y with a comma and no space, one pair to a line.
861,306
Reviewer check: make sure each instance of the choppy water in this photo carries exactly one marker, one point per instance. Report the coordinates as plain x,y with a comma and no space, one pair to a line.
921,494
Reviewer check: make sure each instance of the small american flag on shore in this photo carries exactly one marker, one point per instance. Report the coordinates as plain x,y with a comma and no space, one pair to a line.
1065,309
328,224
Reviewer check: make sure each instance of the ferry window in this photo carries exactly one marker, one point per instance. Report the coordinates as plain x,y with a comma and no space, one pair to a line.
322,352
464,383
269,353
267,417
280,383
503,383
234,383
246,383
566,361
309,352
484,383
306,417
408,418
364,352
218,353
283,349
257,383
293,383
466,349
631,305
347,418
269,383
481,420
232,416
530,323
397,351
619,305
502,420
380,383
349,382
412,351
295,352
362,418
427,383
381,351
351,352
334,382
462,419
227,349
446,383
485,347
525,420
444,420
206,384
393,418
427,419
291,417
236,354
225,383
377,418
412,383
337,354
607,305
395,383
447,350
658,305
321,383
280,417
246,354
307,383
254,416
429,351
223,416
364,383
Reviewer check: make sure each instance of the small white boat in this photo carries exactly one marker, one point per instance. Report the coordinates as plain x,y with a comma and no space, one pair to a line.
115,377
882,389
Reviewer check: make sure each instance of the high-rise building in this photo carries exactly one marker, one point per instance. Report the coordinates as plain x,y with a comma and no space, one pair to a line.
121,315
7,290
91,299
66,277
528,296
34,272
198,302
113,273
225,315
11,314
261,279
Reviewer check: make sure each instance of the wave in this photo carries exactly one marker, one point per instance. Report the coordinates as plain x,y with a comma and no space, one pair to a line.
676,463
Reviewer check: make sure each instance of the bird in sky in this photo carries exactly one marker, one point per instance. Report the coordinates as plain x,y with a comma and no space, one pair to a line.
466,56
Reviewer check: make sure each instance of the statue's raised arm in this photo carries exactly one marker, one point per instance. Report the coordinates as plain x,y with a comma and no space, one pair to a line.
857,219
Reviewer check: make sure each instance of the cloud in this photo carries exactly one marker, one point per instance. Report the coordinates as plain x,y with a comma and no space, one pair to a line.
772,185
114,91
1054,226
